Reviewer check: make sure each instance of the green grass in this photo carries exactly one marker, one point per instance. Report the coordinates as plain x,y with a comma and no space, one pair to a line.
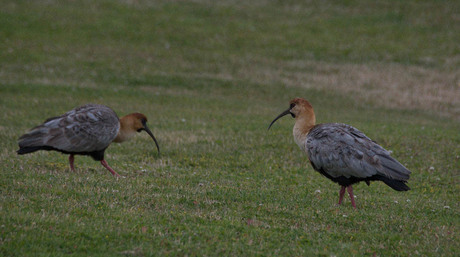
223,184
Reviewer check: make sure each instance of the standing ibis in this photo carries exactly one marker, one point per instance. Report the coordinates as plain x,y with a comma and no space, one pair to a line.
342,153
85,130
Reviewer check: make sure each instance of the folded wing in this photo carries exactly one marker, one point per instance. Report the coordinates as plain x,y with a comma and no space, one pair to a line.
342,150
85,129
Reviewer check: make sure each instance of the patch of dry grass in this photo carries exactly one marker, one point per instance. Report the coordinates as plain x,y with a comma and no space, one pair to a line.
394,86
387,85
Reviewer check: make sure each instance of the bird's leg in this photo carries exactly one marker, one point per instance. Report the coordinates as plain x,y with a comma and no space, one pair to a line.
104,163
352,197
341,193
71,159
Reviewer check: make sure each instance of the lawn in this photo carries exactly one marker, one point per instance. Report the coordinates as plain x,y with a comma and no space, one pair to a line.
210,77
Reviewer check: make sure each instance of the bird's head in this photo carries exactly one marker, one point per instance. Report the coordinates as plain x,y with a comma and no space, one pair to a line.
132,123
299,108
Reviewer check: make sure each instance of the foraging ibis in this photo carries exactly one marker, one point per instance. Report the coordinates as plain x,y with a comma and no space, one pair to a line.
342,153
85,130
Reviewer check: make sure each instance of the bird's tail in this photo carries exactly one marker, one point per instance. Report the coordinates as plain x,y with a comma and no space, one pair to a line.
32,141
398,185
30,149
393,173
393,169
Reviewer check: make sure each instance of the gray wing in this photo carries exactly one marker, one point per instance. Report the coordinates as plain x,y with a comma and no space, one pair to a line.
84,129
342,150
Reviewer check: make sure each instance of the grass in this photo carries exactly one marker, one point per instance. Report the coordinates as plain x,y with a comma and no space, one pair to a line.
210,77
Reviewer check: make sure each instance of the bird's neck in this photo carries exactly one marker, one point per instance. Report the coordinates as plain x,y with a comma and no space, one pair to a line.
126,132
302,127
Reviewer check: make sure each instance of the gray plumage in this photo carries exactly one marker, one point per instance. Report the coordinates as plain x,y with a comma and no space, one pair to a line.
347,156
342,153
83,130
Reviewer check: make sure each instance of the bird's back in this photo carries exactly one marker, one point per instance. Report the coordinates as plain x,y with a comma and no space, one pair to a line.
344,153
85,129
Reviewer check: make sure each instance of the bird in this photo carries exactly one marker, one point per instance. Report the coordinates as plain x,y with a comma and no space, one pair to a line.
85,130
342,153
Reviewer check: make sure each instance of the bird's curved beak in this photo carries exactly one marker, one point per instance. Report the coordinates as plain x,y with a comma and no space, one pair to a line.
288,111
151,135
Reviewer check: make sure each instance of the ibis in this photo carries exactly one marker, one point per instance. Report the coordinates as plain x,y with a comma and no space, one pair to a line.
342,153
85,130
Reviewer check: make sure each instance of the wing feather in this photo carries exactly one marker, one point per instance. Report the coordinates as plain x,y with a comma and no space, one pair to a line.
84,129
342,150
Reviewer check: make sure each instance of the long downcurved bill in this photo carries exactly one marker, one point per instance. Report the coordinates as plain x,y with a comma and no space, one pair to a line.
279,116
151,135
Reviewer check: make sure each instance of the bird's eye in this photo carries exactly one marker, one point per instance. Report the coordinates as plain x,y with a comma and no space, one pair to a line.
139,130
292,106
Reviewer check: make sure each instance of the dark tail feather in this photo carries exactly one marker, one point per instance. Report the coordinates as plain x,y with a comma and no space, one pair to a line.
31,149
397,185
393,168
24,150
32,141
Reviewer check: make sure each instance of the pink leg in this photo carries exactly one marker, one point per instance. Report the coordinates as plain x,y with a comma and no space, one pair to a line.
352,197
341,193
104,163
71,159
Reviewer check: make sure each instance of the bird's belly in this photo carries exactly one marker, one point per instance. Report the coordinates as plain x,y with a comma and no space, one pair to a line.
340,179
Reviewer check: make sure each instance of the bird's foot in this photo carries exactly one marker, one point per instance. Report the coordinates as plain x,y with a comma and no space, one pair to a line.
352,197
71,160
341,194
106,165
